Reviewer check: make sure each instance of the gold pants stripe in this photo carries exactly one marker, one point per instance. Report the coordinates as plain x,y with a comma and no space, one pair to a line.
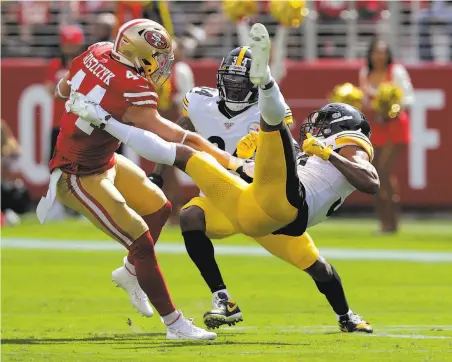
114,200
97,210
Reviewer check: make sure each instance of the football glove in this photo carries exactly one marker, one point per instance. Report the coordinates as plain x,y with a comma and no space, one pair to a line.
89,111
156,179
247,145
312,146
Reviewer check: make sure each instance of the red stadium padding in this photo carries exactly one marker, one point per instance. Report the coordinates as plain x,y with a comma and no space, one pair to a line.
424,169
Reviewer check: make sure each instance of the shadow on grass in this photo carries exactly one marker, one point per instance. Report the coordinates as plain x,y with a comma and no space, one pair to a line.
116,338
139,340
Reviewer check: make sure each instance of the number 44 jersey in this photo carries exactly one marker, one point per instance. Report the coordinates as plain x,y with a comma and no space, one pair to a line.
202,106
325,186
115,87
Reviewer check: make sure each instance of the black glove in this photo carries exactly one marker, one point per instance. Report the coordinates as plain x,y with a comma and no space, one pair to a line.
156,179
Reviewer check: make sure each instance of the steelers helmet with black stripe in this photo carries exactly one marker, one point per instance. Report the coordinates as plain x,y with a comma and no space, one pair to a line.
233,80
334,118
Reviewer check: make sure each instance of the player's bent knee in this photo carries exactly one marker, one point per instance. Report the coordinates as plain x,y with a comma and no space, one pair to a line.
321,270
192,219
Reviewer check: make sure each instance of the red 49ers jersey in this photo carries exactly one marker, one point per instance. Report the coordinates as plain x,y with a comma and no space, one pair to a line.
115,87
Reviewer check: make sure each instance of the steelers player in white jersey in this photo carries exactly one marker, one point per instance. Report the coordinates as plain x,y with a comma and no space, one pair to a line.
223,115
291,190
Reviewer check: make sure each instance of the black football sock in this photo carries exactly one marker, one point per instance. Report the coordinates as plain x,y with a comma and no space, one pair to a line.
334,293
200,249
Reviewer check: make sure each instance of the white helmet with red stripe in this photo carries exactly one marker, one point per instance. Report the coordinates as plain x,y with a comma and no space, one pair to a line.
146,46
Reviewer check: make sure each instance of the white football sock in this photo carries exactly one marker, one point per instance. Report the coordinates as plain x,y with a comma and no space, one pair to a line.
271,104
171,318
349,313
225,291
129,266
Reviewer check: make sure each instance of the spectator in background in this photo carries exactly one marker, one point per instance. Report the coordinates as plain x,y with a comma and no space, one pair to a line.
389,136
71,45
438,16
156,10
14,194
104,27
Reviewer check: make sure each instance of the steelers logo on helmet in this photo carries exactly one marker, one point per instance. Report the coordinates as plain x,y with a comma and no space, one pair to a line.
334,118
233,80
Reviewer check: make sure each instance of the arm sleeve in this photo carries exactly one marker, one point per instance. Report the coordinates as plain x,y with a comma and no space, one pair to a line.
145,143
402,80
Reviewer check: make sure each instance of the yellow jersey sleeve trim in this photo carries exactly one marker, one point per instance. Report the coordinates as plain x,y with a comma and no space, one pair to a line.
350,140
186,101
288,119
184,112
288,116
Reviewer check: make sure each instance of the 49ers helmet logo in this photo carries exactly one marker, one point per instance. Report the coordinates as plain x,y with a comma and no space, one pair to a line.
157,40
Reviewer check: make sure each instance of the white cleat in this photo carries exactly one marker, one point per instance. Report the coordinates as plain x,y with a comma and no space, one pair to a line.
129,283
184,329
260,48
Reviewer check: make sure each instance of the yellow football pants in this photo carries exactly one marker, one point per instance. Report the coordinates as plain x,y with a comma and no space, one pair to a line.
256,209
114,200
300,251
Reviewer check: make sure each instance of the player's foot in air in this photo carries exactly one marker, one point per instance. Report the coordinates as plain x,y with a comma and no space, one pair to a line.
260,48
224,311
353,322
184,329
128,281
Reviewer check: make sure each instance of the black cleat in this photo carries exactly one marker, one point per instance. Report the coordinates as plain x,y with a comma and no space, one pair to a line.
354,323
226,311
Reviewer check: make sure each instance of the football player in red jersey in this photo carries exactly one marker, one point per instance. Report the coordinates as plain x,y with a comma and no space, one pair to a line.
111,191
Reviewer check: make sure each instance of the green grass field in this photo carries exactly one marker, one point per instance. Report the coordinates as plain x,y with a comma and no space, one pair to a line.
60,305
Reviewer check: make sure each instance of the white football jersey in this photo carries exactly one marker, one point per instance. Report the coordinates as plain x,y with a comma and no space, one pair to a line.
201,106
326,187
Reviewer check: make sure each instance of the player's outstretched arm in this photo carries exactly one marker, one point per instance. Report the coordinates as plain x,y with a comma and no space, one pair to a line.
354,164
150,120
157,175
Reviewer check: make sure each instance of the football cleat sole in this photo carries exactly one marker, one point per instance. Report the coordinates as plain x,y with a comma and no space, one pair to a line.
260,48
213,321
360,329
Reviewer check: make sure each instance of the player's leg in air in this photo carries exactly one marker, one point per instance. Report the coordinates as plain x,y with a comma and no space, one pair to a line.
98,198
200,221
266,206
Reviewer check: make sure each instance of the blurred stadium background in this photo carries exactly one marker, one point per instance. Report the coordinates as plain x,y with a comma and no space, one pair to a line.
328,49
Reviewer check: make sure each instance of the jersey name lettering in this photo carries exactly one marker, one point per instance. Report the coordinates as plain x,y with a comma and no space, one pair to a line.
99,70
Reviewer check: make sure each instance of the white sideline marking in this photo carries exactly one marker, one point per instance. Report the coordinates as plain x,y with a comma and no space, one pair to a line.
382,331
240,250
